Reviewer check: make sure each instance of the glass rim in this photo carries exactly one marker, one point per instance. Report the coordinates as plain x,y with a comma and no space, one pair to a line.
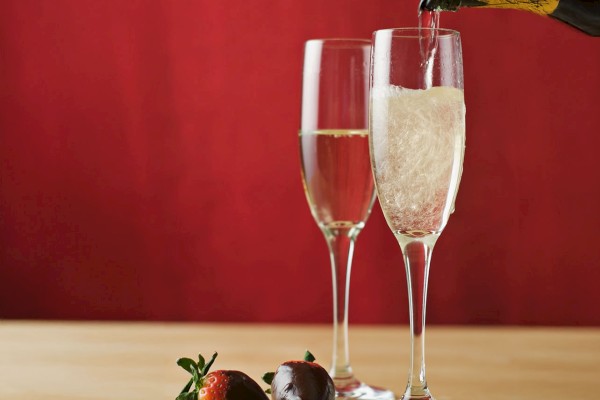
340,41
414,32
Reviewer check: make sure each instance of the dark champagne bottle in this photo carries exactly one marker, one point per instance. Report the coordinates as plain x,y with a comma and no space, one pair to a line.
582,14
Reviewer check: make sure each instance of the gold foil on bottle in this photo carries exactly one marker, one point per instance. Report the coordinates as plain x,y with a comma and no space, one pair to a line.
542,7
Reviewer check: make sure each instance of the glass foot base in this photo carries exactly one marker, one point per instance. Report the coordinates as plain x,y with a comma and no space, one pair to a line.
420,395
359,390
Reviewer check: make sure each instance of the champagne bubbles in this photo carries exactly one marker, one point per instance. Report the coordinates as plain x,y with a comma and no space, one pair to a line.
418,139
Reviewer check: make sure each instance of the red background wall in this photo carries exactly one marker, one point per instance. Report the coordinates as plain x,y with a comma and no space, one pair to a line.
149,167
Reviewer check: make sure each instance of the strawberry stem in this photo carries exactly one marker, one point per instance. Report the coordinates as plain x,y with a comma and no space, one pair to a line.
187,387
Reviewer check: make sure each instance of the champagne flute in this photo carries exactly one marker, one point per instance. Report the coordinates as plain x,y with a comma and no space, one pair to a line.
416,143
337,177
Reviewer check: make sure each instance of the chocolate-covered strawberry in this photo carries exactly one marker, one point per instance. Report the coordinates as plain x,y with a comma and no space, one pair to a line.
300,380
217,385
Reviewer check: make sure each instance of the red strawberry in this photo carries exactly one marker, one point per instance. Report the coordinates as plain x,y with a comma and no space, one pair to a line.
300,380
217,385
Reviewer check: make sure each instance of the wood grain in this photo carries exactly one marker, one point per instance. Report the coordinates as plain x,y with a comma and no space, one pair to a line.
94,360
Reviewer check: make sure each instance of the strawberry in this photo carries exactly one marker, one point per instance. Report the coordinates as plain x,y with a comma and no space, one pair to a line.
300,380
217,385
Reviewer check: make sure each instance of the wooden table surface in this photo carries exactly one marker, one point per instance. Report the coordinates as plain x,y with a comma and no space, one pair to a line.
87,360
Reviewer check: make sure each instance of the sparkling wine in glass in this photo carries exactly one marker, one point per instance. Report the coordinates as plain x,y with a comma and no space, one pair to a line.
417,142
337,176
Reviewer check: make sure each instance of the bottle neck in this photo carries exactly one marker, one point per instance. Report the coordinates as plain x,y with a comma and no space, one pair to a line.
440,5
583,15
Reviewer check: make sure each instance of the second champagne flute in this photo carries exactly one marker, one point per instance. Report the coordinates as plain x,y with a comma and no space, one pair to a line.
337,177
417,148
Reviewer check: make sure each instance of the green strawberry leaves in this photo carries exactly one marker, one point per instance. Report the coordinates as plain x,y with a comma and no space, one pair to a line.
268,379
188,364
309,357
204,368
198,369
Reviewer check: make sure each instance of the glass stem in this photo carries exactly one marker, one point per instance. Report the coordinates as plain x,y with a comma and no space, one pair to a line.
341,248
417,256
